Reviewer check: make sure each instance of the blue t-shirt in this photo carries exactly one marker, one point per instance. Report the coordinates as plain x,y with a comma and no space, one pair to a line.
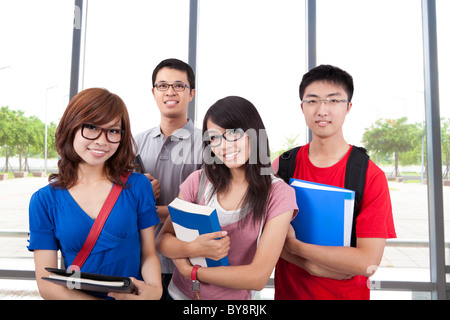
57,222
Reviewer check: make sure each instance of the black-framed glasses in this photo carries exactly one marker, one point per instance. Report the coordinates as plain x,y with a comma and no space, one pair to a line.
91,132
329,101
230,135
177,86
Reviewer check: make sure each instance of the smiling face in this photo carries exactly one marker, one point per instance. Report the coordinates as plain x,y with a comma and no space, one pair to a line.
96,152
171,103
234,154
324,119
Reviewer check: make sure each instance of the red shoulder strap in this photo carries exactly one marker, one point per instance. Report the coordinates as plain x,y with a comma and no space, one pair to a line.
98,225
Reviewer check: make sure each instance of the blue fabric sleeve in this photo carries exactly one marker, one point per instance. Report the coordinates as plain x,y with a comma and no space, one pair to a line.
42,235
147,215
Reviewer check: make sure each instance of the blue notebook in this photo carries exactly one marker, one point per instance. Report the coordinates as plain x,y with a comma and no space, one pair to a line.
191,220
325,214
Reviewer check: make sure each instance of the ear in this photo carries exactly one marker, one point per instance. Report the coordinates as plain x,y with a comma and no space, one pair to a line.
191,94
349,106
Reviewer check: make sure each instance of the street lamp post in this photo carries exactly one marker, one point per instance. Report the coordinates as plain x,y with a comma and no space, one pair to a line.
45,137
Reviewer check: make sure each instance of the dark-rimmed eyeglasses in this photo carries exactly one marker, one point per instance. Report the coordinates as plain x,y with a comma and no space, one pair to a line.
177,86
230,135
91,132
329,101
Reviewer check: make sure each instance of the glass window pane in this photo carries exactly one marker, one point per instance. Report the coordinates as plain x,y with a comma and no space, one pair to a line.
36,41
254,49
124,43
385,58
443,24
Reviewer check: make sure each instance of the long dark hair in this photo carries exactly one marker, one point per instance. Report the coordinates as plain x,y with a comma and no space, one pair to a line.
94,106
232,113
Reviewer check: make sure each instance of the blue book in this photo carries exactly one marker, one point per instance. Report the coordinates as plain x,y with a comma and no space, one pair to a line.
325,214
191,220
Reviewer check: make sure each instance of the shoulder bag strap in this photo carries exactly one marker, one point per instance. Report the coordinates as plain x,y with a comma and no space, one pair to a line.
98,225
201,186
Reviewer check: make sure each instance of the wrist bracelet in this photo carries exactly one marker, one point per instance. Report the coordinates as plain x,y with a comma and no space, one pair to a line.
195,282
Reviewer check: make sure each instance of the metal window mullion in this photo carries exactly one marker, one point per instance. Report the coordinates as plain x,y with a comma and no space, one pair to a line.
192,54
433,134
311,42
76,47
17,274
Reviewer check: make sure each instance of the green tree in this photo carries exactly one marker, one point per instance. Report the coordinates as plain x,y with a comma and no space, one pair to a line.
51,148
37,129
34,133
20,135
388,136
414,155
6,127
445,143
24,136
289,143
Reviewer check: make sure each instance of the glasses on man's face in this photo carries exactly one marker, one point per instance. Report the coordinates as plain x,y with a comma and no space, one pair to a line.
230,135
91,132
328,101
177,86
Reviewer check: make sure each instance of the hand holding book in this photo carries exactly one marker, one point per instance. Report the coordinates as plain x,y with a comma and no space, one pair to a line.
214,245
199,224
143,291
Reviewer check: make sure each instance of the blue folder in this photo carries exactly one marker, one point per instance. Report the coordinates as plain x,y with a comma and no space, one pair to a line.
325,214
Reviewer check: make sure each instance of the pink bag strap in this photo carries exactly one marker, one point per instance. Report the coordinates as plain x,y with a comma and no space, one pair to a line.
97,227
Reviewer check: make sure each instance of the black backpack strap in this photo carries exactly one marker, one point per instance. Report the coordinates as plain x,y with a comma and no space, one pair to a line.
355,179
286,164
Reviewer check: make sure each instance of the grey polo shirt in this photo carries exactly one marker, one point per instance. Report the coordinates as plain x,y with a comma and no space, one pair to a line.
170,161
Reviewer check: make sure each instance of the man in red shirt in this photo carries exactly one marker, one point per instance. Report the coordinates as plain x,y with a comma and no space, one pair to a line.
307,271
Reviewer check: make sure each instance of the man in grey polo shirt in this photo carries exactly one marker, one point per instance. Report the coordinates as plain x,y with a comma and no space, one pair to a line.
171,151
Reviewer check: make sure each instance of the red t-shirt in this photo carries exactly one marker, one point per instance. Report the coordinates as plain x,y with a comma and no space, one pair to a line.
374,221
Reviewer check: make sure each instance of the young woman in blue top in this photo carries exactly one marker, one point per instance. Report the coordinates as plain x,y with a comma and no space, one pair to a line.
96,147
